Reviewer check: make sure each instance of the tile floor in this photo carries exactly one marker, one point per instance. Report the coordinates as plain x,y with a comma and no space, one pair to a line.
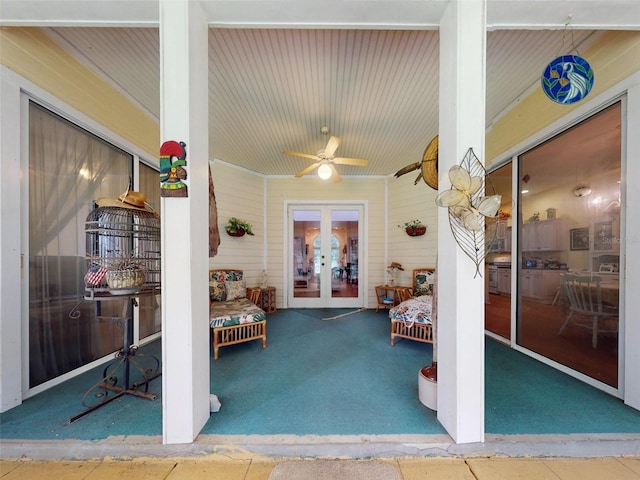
215,467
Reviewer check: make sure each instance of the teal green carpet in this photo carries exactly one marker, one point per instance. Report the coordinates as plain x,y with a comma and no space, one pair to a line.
322,377
332,377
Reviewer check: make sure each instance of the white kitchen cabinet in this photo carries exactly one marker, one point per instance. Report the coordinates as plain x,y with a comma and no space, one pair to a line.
529,237
504,281
502,233
540,286
543,236
548,236
501,228
531,284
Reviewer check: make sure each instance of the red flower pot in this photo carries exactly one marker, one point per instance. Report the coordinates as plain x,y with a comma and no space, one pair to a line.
238,233
416,231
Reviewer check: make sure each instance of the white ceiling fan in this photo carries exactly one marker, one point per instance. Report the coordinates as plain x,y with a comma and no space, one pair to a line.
325,162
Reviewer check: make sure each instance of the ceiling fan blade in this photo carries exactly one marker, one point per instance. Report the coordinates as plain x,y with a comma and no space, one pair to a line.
308,169
335,175
303,155
332,146
360,162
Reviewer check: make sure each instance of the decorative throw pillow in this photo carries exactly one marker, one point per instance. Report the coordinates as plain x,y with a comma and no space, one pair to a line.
217,291
424,283
233,276
236,289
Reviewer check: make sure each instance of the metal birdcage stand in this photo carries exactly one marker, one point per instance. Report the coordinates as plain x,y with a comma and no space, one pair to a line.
123,263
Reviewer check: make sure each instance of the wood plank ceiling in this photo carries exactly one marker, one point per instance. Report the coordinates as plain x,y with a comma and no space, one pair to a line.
273,89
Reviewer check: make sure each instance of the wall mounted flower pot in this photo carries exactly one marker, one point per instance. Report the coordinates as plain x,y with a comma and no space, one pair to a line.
238,233
416,231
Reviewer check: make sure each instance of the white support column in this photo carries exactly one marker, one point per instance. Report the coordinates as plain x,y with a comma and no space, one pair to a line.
461,296
12,264
185,221
631,237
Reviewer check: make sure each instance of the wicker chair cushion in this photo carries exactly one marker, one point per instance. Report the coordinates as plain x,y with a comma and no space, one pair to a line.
224,314
414,310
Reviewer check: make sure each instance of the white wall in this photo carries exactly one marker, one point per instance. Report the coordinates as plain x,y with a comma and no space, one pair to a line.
240,193
409,202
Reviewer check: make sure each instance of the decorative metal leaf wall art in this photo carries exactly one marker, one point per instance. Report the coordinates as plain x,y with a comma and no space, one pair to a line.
468,206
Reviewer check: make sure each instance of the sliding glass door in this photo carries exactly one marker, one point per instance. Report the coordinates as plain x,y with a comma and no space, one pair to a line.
324,256
68,169
569,231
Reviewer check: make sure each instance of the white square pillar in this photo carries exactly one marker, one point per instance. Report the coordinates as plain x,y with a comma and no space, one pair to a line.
630,327
12,262
185,223
460,295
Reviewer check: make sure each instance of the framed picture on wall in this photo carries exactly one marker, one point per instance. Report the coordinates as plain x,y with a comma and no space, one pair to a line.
603,238
579,238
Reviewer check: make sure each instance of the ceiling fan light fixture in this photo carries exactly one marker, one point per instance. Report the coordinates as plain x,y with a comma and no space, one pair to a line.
324,171
582,191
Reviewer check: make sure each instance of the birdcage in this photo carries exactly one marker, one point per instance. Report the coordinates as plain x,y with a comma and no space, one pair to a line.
123,250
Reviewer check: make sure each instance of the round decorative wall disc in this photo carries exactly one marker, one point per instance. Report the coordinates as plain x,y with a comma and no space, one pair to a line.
567,79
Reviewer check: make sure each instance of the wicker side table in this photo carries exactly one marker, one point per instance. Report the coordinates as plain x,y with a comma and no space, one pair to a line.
388,296
268,299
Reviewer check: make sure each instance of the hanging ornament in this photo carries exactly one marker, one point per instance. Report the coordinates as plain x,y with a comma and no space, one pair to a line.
568,78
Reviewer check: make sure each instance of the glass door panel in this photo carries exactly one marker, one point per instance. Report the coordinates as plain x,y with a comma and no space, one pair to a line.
569,224
325,256
304,279
344,253
497,309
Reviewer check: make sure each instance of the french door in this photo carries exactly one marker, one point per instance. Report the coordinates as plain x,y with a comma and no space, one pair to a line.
324,255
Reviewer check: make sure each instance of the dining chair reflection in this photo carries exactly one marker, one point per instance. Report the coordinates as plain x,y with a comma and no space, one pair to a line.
586,308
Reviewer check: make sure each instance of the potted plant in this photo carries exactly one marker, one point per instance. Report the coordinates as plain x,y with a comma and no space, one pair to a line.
414,228
237,228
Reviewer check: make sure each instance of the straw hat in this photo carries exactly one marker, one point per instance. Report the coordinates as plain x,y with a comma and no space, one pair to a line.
430,164
129,199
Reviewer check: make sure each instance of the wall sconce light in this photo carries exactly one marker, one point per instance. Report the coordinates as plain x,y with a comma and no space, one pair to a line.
324,171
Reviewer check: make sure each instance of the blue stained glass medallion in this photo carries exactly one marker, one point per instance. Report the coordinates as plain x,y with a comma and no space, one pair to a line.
567,79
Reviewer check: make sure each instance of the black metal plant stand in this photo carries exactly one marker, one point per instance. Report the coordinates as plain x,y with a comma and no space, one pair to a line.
116,378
